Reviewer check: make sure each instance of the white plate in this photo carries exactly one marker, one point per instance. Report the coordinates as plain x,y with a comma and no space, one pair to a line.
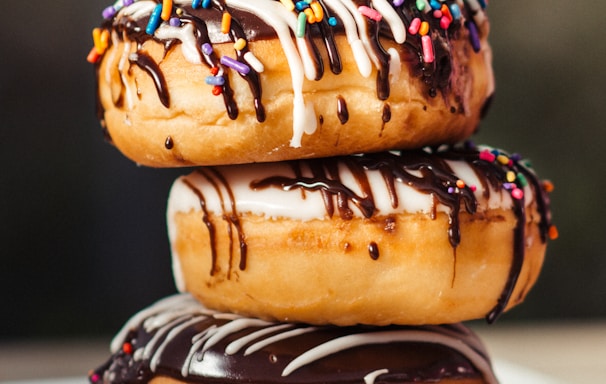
506,372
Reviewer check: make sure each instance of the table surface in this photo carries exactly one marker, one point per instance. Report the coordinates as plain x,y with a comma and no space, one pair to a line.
566,352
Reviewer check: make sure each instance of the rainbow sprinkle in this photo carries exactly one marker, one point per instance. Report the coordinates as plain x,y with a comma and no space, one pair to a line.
433,15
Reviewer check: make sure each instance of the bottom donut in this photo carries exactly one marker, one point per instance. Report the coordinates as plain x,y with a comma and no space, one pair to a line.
177,340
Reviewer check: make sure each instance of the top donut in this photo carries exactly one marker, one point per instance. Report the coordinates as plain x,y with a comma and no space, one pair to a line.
183,83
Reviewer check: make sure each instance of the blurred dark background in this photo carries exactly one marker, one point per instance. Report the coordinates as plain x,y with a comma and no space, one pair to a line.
82,231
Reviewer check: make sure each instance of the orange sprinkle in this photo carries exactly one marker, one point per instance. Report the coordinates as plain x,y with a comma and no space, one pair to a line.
311,18
93,56
548,186
446,11
424,29
553,232
214,71
217,90
318,11
167,9
226,22
460,184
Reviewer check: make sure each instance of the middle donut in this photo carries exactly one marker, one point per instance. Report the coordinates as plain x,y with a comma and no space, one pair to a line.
408,237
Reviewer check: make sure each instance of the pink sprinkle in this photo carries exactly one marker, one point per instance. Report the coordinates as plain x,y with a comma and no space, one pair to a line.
414,26
428,55
370,13
94,378
487,156
517,193
437,13
473,188
445,22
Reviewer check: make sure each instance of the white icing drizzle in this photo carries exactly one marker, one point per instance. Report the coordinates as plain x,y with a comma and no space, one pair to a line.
185,34
235,346
170,304
297,53
351,31
395,65
273,339
274,14
277,203
168,319
351,341
174,332
196,343
232,327
394,21
372,376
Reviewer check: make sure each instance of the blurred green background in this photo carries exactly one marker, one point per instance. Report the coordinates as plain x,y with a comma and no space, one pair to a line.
82,233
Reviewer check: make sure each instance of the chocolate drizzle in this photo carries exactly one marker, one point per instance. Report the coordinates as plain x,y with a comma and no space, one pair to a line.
179,338
427,171
248,24
145,62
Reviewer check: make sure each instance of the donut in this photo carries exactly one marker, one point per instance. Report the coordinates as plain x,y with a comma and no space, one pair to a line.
427,236
190,83
177,340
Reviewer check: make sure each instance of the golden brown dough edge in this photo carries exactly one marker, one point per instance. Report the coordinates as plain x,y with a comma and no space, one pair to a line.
322,271
203,134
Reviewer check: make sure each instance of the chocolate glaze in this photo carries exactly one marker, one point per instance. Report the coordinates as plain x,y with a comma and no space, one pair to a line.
179,338
247,25
425,170
342,111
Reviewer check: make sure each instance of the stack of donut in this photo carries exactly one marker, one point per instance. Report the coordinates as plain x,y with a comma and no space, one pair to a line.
337,225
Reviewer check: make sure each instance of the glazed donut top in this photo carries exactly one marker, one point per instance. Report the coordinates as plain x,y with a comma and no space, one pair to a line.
424,27
446,180
179,338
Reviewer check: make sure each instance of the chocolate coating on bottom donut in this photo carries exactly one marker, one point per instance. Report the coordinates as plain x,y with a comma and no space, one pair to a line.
179,338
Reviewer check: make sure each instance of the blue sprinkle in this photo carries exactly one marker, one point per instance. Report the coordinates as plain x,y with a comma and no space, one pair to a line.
455,11
214,80
196,4
154,20
301,5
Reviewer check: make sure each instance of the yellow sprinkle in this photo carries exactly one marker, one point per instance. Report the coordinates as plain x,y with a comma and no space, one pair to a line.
226,22
167,9
288,4
318,11
97,40
511,176
104,39
311,18
424,29
239,44
503,159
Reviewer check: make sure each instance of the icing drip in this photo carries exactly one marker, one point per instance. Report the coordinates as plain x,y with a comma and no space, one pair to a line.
179,338
429,181
198,28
